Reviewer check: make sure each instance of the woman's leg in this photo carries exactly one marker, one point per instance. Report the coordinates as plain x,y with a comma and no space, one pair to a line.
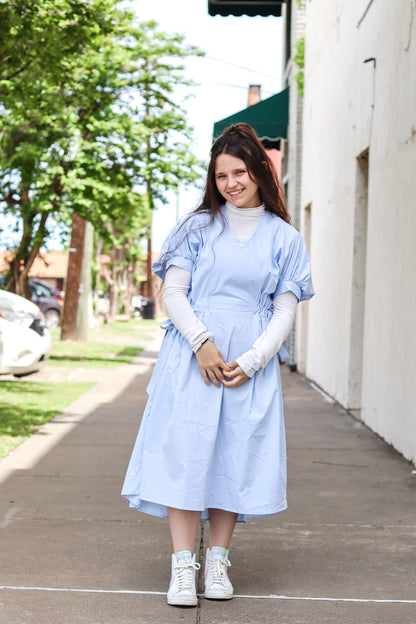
183,528
221,527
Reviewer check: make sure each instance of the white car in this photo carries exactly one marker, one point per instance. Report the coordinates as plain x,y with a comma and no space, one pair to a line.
25,342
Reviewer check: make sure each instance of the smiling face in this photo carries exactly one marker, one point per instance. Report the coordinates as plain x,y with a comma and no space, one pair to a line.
234,183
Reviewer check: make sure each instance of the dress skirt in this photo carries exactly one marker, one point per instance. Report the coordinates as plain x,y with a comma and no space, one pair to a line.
199,446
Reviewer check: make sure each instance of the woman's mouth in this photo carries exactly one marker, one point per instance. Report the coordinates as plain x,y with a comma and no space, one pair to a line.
235,193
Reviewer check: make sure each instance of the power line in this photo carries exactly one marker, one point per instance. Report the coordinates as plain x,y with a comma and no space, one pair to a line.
250,69
228,84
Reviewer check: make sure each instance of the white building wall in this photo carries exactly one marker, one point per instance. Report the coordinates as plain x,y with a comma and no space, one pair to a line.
294,155
363,353
292,159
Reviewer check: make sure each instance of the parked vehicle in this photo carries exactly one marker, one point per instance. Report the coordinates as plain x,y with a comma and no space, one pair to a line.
49,299
139,303
25,342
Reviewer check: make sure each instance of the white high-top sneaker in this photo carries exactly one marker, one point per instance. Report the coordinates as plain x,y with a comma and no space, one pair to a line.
217,584
182,590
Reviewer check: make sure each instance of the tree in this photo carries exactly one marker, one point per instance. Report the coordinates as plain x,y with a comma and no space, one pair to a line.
155,154
43,44
92,126
167,160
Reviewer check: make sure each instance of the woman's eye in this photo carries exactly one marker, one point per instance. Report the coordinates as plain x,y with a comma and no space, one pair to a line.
240,171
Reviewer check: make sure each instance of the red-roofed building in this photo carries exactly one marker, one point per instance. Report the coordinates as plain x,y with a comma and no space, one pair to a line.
50,266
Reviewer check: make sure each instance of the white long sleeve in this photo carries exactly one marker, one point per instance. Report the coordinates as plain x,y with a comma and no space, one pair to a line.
175,298
183,317
276,332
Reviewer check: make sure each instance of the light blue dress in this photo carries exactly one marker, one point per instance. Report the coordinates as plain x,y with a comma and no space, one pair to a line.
200,446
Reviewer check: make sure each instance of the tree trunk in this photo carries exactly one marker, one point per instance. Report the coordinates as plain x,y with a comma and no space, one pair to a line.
149,274
29,246
26,253
114,286
125,282
76,251
98,253
130,287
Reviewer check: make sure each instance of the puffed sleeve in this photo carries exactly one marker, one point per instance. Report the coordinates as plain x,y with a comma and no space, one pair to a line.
181,247
295,270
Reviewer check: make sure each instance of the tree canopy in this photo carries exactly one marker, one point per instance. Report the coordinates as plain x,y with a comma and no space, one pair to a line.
90,121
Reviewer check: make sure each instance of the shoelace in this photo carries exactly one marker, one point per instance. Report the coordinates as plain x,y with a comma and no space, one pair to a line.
185,575
218,569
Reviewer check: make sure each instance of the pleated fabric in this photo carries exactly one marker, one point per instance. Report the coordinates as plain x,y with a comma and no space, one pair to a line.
200,446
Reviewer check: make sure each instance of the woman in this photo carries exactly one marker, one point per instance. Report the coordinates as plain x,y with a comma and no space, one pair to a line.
212,444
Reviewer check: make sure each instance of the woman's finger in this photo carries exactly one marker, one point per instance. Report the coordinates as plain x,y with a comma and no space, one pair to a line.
213,378
231,383
219,373
205,376
236,377
233,373
235,383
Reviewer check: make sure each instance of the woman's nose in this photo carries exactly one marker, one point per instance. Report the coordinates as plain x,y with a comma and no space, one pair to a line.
232,182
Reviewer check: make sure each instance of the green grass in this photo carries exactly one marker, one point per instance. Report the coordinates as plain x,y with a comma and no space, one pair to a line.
103,348
133,328
91,354
25,406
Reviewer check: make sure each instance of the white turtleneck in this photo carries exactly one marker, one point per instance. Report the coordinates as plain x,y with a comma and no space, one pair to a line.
243,222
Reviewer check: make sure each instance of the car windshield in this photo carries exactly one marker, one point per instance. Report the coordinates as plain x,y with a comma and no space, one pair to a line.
44,290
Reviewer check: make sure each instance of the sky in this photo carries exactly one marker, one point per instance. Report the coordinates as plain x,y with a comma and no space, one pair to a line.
239,51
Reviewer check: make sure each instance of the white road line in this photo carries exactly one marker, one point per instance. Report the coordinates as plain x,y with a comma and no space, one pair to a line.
85,591
155,593
324,599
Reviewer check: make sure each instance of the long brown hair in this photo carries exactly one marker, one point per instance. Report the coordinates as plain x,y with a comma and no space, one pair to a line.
241,141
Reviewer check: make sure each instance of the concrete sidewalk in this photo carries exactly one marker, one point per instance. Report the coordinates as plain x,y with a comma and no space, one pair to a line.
74,553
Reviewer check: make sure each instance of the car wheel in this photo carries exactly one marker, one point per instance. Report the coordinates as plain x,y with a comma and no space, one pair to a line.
52,319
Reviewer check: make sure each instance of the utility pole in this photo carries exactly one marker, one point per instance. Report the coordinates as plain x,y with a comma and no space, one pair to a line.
84,301
149,312
149,309
149,280
73,280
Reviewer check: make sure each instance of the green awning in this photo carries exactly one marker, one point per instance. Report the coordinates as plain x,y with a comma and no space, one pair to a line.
269,118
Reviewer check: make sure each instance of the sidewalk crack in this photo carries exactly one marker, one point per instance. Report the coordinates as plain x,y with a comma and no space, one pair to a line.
200,587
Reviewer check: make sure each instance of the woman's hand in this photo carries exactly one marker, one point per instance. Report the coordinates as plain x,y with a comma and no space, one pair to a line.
236,377
212,364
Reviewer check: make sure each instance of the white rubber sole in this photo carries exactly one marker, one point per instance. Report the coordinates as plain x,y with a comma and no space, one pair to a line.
218,595
182,601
